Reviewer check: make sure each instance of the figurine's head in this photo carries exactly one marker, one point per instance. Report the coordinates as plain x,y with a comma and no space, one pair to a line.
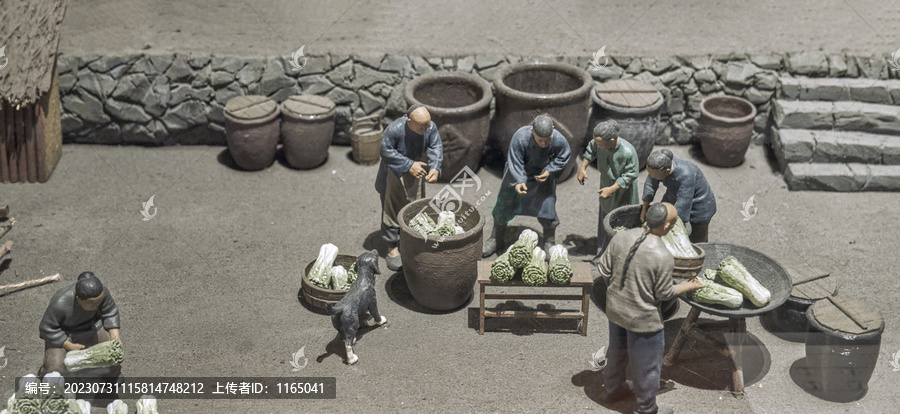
659,164
661,217
418,119
368,260
88,291
542,130
606,134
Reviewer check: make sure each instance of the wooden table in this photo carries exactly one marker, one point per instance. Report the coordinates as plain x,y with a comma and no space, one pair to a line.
581,277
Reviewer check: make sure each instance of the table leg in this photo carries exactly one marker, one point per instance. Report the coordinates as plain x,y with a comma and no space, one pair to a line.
735,342
585,307
682,337
481,310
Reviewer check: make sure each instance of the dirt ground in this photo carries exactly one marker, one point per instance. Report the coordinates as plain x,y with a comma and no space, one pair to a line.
466,27
208,287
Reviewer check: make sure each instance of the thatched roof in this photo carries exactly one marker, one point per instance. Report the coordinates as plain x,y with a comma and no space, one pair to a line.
30,34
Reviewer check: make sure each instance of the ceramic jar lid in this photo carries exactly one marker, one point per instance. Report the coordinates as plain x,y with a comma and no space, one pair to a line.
249,107
828,314
308,106
628,93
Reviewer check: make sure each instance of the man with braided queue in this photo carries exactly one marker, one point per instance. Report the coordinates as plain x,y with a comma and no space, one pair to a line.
637,269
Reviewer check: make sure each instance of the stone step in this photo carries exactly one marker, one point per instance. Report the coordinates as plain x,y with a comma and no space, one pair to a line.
842,177
810,146
840,115
841,89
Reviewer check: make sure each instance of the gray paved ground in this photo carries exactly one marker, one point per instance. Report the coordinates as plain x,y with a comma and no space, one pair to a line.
465,27
209,286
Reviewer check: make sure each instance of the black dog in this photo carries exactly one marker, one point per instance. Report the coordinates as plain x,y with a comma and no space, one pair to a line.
357,302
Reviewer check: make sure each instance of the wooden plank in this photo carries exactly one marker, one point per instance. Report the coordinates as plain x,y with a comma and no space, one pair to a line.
848,308
534,314
20,145
30,150
846,315
50,151
40,142
526,296
4,167
803,274
11,150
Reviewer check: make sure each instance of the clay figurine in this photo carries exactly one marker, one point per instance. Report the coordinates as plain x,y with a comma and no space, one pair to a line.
618,164
358,302
407,143
538,153
79,315
686,188
637,269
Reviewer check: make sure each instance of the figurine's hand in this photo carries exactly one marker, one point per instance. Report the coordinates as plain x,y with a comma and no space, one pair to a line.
521,188
606,192
432,176
643,212
582,175
71,346
543,176
114,335
418,169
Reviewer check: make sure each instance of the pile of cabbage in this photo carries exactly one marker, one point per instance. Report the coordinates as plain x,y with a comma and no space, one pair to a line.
729,284
326,275
526,256
445,226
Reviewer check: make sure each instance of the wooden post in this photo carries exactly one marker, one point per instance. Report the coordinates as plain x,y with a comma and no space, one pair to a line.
681,337
30,149
20,146
12,153
4,136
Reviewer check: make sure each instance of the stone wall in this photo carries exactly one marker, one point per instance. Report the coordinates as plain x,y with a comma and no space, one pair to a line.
178,99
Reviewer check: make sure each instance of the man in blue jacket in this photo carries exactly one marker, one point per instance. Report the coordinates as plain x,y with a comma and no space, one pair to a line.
538,153
686,188
406,144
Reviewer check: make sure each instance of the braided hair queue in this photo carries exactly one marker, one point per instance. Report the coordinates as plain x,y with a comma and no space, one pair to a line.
656,216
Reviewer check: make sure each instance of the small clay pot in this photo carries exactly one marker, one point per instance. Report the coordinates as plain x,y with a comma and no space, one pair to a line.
726,126
251,130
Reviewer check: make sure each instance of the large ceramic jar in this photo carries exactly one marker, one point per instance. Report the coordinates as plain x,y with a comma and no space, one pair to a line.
307,127
526,90
460,106
252,130
441,272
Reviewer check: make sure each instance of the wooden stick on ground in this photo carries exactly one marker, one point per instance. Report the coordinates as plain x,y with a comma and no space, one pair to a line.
6,227
6,248
7,289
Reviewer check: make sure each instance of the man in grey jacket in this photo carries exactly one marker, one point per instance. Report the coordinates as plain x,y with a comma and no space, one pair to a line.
406,144
79,315
637,269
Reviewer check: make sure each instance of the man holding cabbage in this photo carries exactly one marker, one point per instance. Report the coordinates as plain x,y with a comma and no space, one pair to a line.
79,315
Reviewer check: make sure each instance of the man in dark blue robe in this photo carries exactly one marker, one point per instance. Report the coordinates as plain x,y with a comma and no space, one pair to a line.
406,144
538,153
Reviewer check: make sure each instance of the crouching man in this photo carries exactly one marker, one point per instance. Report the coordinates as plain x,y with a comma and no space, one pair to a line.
79,315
